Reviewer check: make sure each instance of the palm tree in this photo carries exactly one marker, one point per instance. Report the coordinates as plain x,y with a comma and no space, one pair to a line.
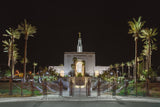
133,66
122,65
153,47
145,51
27,30
129,68
144,54
135,30
148,35
15,56
116,66
12,34
111,67
7,48
139,59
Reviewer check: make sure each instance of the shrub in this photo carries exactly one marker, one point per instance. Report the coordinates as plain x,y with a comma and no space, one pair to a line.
7,73
79,75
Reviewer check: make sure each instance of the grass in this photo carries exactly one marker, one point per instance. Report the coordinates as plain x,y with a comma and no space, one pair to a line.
141,90
4,91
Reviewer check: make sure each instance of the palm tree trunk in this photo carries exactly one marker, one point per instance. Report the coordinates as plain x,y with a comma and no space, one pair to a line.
146,62
34,69
143,65
12,67
148,66
25,54
122,70
138,77
12,56
128,72
150,53
135,70
9,58
12,70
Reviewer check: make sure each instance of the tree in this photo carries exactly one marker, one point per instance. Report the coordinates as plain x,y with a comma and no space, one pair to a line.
10,47
139,59
111,67
12,34
147,36
27,30
116,66
122,65
15,57
135,30
144,54
7,48
129,69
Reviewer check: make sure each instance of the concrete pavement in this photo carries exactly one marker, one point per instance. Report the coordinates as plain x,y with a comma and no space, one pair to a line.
106,98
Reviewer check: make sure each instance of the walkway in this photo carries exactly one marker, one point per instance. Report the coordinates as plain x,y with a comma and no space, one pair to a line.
107,98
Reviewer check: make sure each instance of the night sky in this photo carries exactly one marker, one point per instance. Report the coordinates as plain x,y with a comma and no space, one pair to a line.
103,24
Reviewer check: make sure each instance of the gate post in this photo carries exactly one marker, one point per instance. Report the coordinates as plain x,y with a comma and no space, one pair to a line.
89,86
98,90
21,86
126,85
44,85
86,89
71,88
10,86
32,88
114,87
60,87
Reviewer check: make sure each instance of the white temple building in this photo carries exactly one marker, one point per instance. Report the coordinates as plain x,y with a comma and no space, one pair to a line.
85,62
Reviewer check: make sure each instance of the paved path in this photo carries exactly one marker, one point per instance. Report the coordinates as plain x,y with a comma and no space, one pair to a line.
78,104
107,98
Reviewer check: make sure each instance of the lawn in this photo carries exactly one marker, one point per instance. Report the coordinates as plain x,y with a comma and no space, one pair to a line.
4,90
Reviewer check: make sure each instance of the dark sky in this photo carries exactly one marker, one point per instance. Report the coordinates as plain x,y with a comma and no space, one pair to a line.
104,27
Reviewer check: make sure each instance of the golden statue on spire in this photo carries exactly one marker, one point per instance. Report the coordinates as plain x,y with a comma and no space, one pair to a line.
79,34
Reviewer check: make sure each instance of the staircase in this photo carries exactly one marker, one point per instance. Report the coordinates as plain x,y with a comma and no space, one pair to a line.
79,91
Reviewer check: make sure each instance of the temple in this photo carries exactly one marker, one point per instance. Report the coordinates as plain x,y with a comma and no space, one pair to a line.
79,63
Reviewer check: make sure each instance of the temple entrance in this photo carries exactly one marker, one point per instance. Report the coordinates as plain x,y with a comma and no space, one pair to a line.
79,68
80,86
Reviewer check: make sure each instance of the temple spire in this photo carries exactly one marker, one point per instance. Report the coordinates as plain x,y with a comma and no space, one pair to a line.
79,34
79,45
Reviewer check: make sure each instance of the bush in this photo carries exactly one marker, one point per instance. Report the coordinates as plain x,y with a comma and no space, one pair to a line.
7,73
79,75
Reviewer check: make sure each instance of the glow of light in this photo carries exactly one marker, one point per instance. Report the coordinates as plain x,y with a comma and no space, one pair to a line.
96,73
62,73
111,73
30,72
79,67
17,71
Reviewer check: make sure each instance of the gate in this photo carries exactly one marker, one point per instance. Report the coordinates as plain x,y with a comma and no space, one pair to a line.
80,86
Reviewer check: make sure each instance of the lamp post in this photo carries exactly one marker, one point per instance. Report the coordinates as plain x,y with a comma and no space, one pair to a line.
34,67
